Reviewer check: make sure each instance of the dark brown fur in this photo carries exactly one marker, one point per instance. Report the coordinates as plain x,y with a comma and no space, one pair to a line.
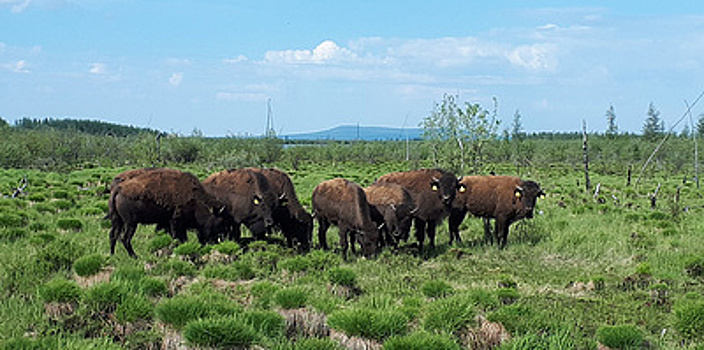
166,197
395,207
289,216
504,198
343,203
433,191
246,195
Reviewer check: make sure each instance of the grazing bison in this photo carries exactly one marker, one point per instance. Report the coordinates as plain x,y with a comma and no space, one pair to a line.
132,173
166,197
506,199
392,209
343,203
289,216
247,197
433,191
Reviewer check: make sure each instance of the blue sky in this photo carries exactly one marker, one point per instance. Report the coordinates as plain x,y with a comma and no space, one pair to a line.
212,65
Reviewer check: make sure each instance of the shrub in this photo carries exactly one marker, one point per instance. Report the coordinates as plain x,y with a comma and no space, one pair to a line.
129,273
264,293
220,332
507,295
436,289
13,234
134,308
60,290
291,298
12,220
104,297
60,254
160,242
620,337
689,316
189,249
520,319
180,310
449,314
269,323
88,265
233,272
177,267
374,324
298,263
322,260
695,266
69,224
153,287
421,341
228,247
342,276
318,344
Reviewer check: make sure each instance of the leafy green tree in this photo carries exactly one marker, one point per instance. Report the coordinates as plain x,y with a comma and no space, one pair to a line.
459,133
654,127
611,127
700,126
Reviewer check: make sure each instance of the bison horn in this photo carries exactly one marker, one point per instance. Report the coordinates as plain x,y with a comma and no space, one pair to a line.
393,207
414,210
381,226
435,179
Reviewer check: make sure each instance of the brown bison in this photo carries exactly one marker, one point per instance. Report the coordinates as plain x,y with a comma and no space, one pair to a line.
506,199
246,195
393,210
289,216
129,174
165,197
343,203
433,191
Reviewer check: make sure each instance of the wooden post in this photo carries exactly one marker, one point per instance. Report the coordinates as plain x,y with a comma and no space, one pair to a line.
654,198
586,156
628,182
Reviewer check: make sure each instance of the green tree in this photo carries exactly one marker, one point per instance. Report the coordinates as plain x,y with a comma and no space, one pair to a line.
459,133
700,126
611,127
654,127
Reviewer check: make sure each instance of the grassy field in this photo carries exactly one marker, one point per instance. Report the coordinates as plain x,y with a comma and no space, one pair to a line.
587,269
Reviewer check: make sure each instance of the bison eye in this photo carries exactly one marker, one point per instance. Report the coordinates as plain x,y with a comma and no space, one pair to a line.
256,200
463,188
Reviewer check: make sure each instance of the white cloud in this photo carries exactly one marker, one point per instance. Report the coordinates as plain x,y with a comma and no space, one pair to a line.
176,79
98,68
238,59
20,66
534,57
16,6
327,52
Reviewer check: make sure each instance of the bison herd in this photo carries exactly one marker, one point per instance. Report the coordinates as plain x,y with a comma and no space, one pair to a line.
265,200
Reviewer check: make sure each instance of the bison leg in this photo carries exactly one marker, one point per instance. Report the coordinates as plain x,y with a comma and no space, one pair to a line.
454,222
420,233
488,232
323,226
502,226
430,231
127,239
344,234
115,230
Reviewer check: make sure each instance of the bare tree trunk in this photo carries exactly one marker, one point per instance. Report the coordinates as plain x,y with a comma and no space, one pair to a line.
586,156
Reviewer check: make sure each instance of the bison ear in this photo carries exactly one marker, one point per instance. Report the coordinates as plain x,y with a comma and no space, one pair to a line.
462,188
542,195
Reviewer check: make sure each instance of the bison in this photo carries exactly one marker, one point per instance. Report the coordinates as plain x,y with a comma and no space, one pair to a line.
165,197
247,196
392,209
433,191
289,216
506,199
343,203
129,174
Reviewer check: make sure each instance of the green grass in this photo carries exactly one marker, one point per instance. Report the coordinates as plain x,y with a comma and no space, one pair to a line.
567,278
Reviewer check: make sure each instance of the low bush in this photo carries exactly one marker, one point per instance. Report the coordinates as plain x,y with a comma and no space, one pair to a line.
88,265
106,296
695,266
67,224
448,314
298,263
60,290
189,249
688,315
620,336
507,295
13,234
291,298
220,332
236,271
342,276
130,273
160,242
153,287
134,308
180,310
12,220
374,324
60,254
268,323
421,341
318,344
263,293
436,289
228,247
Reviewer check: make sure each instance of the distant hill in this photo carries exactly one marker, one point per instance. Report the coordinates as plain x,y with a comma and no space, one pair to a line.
363,133
94,127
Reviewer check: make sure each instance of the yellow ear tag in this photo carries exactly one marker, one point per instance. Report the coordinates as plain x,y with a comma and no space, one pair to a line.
463,189
518,194
542,196
256,201
434,187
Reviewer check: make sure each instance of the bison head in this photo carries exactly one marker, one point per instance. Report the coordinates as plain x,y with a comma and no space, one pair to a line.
445,186
527,195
